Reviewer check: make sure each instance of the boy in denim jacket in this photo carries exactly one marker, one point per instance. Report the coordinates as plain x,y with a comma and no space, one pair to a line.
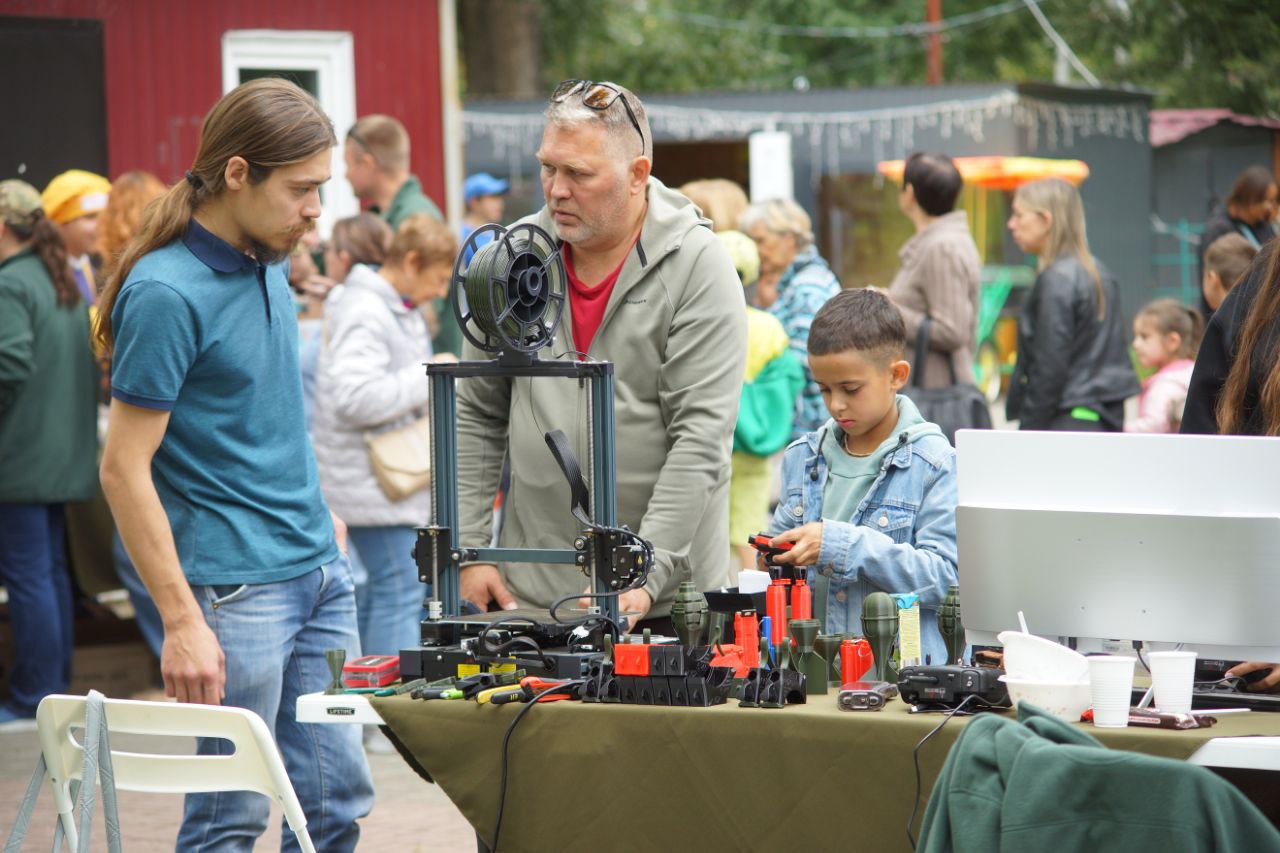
870,498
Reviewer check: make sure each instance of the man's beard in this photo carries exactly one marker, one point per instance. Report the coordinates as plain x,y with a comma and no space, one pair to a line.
266,255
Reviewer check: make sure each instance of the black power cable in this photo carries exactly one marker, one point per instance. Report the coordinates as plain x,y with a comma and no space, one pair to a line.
506,742
523,642
915,759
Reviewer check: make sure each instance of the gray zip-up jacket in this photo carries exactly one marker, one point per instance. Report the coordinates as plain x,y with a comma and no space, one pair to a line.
675,330
369,378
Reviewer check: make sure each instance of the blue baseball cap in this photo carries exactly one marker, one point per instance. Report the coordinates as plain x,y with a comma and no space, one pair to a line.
482,183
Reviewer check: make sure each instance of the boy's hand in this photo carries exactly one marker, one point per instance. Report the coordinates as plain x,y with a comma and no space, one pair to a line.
808,543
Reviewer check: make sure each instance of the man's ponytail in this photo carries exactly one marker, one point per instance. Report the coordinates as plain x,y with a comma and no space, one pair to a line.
164,221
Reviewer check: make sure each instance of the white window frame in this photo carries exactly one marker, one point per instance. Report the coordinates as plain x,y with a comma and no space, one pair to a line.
331,55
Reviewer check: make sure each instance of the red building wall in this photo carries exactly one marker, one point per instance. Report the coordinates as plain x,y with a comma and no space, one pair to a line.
164,68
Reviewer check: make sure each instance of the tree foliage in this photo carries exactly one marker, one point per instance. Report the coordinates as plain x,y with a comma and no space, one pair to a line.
1191,53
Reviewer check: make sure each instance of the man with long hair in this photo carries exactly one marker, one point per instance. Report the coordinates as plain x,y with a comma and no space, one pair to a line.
207,466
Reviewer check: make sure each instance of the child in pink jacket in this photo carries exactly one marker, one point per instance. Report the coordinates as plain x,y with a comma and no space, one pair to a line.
1166,335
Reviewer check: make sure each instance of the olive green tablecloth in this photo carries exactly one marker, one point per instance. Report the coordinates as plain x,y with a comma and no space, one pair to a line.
632,777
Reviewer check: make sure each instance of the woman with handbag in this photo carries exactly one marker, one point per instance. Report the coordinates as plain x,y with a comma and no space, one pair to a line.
938,279
371,420
936,290
1073,371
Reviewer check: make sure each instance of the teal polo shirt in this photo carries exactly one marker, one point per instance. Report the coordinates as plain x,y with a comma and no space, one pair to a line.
209,335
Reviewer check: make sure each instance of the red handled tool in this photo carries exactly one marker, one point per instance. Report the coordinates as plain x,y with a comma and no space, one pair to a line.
765,545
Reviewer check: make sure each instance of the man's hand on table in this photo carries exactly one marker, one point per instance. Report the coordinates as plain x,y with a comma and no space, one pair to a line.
635,601
481,584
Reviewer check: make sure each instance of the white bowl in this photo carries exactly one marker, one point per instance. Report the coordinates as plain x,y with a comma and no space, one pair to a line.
1064,701
1033,658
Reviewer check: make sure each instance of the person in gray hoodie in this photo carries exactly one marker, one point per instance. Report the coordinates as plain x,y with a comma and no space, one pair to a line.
652,290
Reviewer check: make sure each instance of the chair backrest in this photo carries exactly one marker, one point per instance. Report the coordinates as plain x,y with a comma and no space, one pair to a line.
255,765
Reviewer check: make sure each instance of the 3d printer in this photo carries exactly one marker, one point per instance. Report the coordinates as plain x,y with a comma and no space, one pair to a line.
508,295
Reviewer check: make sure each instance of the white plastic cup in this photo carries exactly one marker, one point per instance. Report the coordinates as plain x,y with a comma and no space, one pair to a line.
1111,689
1172,676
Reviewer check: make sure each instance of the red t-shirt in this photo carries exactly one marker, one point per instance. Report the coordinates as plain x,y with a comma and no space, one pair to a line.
586,303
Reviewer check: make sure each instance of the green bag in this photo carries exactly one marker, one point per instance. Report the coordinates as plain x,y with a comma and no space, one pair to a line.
768,406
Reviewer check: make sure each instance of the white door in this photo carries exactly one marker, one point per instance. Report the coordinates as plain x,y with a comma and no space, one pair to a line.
321,62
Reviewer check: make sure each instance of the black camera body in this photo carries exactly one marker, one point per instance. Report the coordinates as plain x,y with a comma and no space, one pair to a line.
948,686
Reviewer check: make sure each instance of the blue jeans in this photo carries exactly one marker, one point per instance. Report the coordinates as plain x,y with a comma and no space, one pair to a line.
33,568
389,602
274,637
145,613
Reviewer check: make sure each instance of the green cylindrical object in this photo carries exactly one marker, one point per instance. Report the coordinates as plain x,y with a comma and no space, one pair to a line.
336,658
717,621
804,632
806,660
880,626
689,615
828,648
950,625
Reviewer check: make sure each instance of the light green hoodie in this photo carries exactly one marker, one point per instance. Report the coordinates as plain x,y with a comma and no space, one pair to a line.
675,330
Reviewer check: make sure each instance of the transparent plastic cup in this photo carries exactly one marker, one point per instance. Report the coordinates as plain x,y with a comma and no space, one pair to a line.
1172,676
1111,689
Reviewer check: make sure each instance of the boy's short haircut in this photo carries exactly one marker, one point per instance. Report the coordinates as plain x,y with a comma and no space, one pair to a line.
383,138
862,320
1230,257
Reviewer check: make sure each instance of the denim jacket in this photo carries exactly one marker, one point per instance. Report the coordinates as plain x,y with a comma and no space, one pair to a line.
902,537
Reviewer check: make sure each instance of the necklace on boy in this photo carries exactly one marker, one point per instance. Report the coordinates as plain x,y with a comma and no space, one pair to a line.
845,442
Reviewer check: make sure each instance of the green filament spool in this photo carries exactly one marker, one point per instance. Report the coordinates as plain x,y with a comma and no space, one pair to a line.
513,286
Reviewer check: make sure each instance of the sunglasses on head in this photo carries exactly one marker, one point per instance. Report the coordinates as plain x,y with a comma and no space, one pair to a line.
596,96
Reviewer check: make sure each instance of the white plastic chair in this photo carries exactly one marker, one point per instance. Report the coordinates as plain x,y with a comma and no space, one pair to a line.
254,766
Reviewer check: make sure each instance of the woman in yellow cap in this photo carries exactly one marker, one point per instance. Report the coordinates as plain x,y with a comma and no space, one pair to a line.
47,443
73,201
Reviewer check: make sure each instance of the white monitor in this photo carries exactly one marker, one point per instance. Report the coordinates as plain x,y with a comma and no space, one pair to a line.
1158,538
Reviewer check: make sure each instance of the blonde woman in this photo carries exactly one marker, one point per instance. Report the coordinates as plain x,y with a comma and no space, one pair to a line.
720,200
1073,370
